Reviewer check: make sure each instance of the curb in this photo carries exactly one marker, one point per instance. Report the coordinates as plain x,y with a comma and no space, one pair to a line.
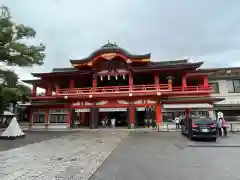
213,145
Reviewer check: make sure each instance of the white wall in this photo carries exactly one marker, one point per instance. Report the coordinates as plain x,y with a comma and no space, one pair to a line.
230,98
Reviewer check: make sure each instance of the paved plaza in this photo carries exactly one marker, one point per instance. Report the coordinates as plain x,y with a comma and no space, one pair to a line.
134,155
167,156
73,156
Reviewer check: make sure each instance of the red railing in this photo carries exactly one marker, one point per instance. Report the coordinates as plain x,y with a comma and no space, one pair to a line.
127,89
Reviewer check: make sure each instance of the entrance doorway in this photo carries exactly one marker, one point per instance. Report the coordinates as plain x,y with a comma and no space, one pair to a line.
80,118
144,113
119,114
140,116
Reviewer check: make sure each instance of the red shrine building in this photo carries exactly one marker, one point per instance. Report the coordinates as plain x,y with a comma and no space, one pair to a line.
111,82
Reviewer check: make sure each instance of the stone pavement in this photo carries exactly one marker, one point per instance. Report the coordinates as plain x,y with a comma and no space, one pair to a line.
75,156
166,156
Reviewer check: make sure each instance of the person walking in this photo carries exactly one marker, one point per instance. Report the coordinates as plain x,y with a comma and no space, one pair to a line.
177,121
224,127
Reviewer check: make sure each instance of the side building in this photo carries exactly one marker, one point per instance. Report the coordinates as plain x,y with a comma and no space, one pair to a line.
225,84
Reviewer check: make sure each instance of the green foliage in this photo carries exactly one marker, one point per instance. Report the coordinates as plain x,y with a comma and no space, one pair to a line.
11,91
12,49
10,78
14,52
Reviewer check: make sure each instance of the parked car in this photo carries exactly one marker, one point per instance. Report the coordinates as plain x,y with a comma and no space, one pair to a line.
201,128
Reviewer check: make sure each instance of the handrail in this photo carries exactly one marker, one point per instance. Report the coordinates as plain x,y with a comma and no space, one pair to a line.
134,88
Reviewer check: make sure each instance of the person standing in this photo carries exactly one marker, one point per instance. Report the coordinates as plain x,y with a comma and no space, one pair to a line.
177,121
106,122
113,122
103,122
219,126
224,127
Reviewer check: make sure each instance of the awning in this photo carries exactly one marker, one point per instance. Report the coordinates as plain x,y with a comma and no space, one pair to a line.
178,106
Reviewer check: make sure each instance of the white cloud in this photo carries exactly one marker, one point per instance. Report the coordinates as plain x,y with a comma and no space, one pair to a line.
203,30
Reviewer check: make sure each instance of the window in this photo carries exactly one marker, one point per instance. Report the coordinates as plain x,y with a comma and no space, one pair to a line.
58,115
39,118
58,118
215,87
234,86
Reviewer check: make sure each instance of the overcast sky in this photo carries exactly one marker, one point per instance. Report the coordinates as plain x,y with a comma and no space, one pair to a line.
202,30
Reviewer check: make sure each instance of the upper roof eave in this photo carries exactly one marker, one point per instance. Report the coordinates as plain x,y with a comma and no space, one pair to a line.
32,81
61,73
90,57
175,66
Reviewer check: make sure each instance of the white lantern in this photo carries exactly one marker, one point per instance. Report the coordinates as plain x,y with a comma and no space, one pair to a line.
116,77
101,78
124,77
108,77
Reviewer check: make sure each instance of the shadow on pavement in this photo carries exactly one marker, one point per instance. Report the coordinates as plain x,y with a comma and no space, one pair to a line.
30,138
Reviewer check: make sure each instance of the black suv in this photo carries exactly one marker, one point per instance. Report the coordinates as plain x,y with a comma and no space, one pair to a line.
202,127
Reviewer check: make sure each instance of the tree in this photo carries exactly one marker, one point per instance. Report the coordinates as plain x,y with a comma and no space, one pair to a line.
13,91
13,51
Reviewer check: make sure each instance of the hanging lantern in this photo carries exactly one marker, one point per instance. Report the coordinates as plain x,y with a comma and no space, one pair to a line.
124,76
101,78
108,77
116,77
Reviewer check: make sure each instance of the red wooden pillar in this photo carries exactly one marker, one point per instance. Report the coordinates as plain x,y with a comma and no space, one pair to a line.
72,83
158,111
130,81
131,116
57,91
47,118
205,81
187,113
184,82
34,91
94,83
49,90
156,79
169,78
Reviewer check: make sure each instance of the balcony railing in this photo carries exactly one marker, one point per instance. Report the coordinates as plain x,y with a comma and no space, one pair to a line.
134,89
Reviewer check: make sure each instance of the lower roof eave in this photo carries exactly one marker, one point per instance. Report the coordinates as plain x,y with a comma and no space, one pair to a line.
193,100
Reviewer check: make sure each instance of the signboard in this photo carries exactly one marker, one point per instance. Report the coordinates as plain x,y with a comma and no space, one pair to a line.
140,108
82,110
176,106
112,109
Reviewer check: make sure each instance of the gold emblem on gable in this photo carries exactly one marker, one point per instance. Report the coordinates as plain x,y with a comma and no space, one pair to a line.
89,64
108,56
